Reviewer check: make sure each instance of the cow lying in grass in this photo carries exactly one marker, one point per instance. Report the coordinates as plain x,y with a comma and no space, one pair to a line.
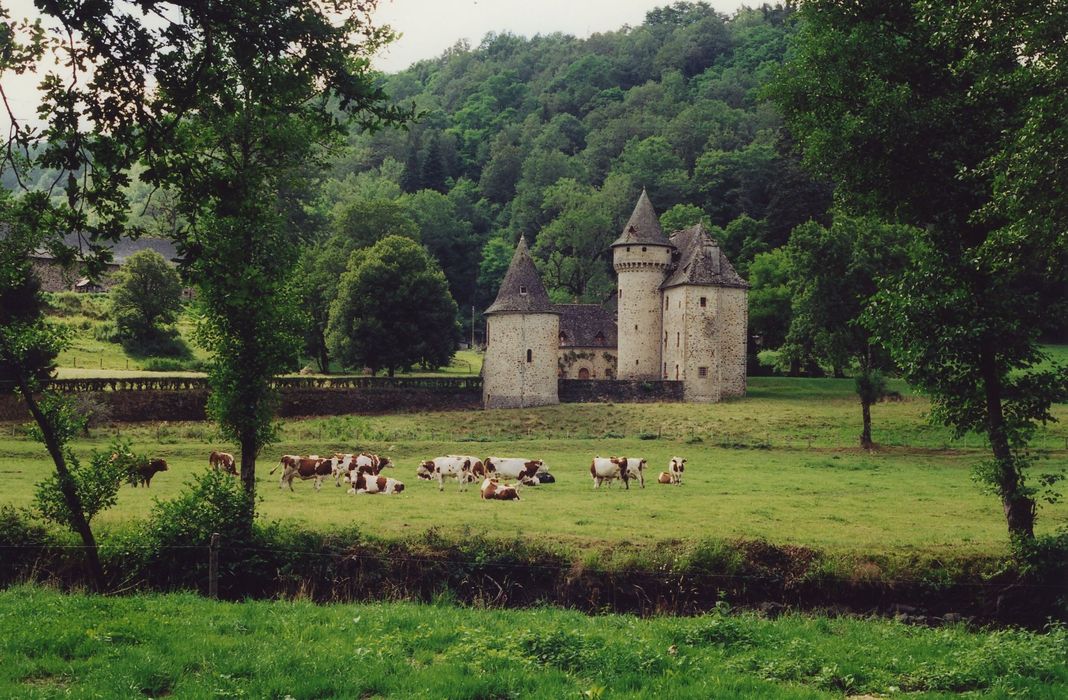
370,485
492,489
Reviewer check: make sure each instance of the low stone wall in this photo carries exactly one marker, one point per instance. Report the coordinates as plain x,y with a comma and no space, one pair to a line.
190,404
618,391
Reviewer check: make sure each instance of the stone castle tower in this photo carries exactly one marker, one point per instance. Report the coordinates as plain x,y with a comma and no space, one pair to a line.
681,315
641,257
522,340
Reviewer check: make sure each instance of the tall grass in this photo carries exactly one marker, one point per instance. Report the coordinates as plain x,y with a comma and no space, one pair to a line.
184,646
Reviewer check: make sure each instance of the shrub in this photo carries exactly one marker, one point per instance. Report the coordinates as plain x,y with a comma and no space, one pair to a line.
166,364
23,539
94,408
97,487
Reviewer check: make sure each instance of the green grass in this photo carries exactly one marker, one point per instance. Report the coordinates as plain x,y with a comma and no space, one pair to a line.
796,479
183,646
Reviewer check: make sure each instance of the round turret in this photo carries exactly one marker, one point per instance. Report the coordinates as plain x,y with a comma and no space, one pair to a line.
642,258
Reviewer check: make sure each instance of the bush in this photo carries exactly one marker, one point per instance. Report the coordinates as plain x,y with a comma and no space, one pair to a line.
94,408
23,540
97,486
166,364
156,343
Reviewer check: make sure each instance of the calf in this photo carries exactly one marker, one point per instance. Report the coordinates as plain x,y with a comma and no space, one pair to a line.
143,473
606,469
441,468
224,461
676,466
525,471
313,467
664,478
493,490
371,484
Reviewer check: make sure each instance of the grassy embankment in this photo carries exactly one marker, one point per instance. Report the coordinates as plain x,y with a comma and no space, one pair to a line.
780,464
184,646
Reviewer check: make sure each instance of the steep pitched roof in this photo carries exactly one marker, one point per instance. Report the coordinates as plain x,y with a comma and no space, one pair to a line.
522,289
120,249
586,325
643,227
701,261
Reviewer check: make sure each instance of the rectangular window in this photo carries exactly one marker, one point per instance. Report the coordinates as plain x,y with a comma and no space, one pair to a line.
666,302
678,339
530,355
704,302
522,289
702,371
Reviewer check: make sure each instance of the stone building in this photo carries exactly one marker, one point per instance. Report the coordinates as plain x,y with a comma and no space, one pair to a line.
680,314
55,277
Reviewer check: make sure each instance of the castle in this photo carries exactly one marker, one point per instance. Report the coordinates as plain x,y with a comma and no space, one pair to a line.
680,315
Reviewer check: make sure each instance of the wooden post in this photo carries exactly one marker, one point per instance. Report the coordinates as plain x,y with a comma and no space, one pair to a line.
213,566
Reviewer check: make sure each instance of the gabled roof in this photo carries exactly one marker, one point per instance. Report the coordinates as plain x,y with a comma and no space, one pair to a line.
643,227
701,261
522,290
120,250
586,326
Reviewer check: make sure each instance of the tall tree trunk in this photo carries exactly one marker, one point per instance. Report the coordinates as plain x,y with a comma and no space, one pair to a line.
324,358
66,485
1019,509
248,463
865,434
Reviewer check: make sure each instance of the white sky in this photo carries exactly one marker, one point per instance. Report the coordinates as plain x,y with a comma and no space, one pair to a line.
429,27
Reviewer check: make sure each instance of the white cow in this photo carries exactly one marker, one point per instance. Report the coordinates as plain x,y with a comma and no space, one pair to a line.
605,470
523,470
458,468
676,466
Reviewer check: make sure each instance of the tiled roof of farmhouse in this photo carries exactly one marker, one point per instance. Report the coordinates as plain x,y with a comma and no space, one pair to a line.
586,326
643,228
120,250
522,289
701,261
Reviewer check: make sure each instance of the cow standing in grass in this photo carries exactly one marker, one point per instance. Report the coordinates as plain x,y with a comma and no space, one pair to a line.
313,467
224,461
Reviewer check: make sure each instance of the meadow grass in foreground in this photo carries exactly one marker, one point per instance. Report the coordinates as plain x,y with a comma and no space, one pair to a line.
182,646
819,491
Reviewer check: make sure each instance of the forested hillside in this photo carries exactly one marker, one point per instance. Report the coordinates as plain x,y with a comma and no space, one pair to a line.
555,137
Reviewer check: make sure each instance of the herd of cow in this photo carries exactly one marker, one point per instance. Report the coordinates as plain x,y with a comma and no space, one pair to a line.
363,472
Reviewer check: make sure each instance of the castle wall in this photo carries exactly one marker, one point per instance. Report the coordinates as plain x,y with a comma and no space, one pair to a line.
733,334
640,270
509,380
600,362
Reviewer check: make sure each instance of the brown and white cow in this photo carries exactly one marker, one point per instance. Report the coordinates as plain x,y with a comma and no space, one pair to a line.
442,468
605,469
371,484
492,489
522,470
142,474
312,467
676,466
224,461
664,478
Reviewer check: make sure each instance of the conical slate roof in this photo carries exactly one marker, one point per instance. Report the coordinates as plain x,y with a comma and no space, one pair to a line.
643,228
701,261
522,290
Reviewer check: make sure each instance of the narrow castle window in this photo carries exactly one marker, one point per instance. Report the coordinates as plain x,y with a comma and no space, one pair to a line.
666,302
678,339
704,302
644,249
530,355
702,371
635,326
665,370
522,289
676,373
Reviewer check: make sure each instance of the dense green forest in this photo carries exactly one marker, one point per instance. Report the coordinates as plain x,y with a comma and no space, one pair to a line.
555,137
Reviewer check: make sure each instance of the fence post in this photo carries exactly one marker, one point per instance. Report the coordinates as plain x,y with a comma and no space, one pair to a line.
213,566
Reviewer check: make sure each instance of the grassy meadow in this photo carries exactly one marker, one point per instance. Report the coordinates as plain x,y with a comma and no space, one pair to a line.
780,464
152,645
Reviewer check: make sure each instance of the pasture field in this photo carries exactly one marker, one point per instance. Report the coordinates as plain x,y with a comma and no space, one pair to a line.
780,465
183,646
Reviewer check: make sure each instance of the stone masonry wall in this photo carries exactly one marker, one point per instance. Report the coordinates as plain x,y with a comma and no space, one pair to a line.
619,391
733,332
600,362
155,405
509,379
